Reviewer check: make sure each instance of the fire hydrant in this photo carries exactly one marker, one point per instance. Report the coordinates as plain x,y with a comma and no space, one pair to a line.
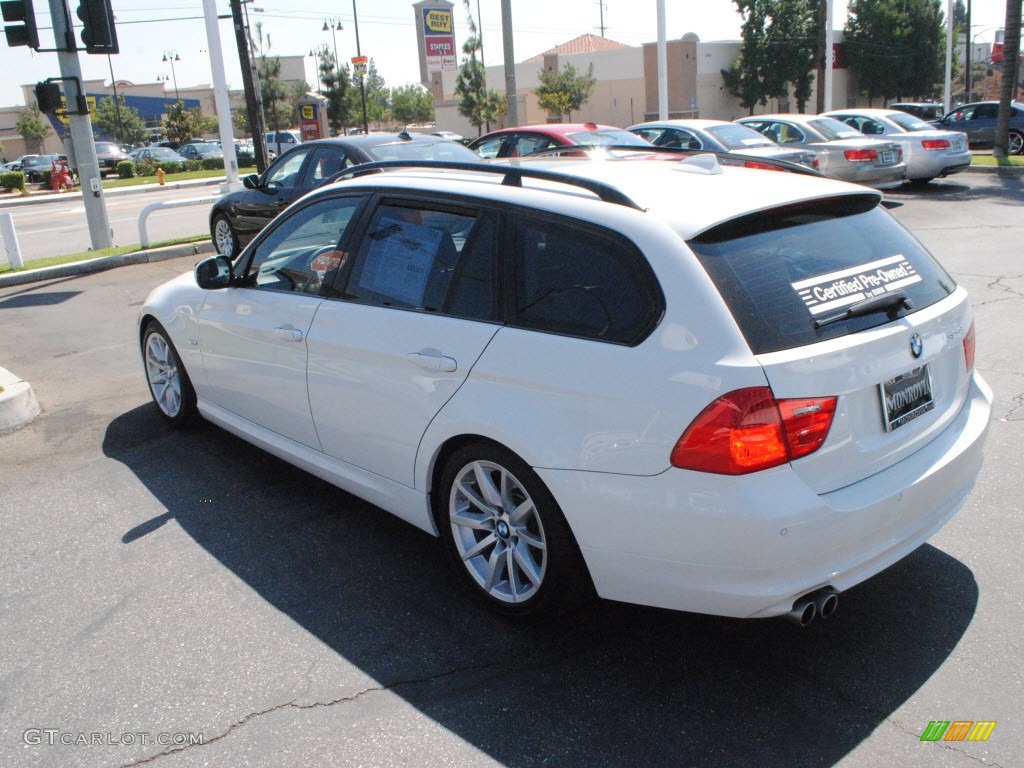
60,176
160,176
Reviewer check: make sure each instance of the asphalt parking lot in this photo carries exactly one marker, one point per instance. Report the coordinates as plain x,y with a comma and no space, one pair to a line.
184,599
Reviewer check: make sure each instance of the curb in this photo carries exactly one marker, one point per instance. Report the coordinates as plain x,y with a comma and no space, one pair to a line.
40,198
1008,169
18,404
104,263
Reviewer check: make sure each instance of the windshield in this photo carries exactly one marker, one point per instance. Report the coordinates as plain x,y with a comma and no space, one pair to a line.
442,149
833,130
103,147
739,137
608,136
909,122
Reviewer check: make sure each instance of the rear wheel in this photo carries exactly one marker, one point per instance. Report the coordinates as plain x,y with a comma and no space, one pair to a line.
168,381
1015,143
506,534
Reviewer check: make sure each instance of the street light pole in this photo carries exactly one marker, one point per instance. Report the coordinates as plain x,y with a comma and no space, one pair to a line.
359,52
172,56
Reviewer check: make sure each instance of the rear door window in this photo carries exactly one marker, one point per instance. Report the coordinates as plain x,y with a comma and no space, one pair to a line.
781,271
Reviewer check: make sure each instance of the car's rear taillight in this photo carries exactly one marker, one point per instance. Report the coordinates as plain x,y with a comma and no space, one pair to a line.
748,430
815,163
969,347
860,155
935,144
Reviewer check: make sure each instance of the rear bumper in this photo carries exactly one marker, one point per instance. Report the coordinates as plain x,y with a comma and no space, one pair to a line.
749,546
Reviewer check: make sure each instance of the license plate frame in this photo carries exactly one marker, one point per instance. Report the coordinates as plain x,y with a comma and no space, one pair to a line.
888,157
905,397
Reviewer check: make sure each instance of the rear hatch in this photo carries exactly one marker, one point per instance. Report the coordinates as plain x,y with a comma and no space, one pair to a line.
791,276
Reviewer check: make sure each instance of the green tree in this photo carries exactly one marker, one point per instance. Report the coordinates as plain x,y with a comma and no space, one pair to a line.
378,97
184,124
412,104
476,103
119,122
562,93
896,47
32,128
240,122
334,86
278,110
779,52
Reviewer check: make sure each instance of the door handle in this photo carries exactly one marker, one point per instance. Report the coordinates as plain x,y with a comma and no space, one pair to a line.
433,360
287,334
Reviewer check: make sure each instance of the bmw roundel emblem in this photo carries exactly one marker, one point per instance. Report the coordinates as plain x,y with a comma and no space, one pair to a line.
916,346
503,529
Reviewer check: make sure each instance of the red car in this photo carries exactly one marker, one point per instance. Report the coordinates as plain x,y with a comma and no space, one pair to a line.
526,139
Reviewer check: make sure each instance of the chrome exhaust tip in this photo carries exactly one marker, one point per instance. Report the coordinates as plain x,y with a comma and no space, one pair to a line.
804,611
827,602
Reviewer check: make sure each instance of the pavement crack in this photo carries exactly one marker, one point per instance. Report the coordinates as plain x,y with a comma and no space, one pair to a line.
294,704
999,285
968,755
1019,400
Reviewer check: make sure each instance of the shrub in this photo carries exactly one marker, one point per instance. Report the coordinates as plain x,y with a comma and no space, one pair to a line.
47,175
212,163
12,180
126,169
246,159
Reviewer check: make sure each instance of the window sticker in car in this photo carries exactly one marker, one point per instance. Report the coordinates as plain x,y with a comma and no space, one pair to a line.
398,263
839,289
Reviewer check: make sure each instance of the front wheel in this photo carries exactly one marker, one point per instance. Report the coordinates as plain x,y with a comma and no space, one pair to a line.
168,381
224,238
506,534
1015,143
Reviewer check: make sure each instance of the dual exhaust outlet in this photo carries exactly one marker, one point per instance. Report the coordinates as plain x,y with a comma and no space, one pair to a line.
823,602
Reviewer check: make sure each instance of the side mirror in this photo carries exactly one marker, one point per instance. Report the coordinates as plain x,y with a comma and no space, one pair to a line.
213,273
252,181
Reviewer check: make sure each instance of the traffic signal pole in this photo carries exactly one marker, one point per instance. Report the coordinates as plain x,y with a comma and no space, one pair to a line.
83,149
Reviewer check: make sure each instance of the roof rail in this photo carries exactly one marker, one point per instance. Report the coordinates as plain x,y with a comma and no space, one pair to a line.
724,158
513,176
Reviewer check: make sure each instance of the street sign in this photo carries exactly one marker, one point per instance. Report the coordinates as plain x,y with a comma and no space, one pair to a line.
360,65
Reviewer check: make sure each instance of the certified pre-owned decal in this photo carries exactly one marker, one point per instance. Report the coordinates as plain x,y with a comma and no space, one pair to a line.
839,289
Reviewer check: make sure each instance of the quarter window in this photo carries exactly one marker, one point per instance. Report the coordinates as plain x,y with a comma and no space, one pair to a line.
577,282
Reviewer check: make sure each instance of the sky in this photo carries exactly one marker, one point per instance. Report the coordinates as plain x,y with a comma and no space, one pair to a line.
147,29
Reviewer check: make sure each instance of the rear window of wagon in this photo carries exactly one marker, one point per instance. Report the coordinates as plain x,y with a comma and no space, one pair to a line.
780,270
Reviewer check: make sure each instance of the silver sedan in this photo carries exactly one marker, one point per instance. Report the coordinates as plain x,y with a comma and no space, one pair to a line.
929,152
843,153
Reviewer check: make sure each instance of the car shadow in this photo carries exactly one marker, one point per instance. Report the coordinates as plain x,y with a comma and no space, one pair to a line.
609,684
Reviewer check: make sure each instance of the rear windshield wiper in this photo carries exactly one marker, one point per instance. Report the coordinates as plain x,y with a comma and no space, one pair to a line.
890,303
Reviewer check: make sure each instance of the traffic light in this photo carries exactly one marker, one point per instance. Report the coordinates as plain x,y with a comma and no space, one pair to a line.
48,98
24,33
98,31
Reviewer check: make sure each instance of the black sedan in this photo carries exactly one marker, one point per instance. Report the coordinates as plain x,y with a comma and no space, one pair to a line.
239,216
34,167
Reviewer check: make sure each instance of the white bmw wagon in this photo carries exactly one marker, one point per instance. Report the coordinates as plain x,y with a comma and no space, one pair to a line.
680,384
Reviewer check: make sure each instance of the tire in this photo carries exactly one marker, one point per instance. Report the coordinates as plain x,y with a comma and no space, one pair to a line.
1015,143
225,239
168,381
490,504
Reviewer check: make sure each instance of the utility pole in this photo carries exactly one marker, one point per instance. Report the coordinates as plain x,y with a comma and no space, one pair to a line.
511,98
84,149
253,107
362,84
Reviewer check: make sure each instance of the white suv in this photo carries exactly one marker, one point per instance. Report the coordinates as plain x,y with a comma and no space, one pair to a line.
705,388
